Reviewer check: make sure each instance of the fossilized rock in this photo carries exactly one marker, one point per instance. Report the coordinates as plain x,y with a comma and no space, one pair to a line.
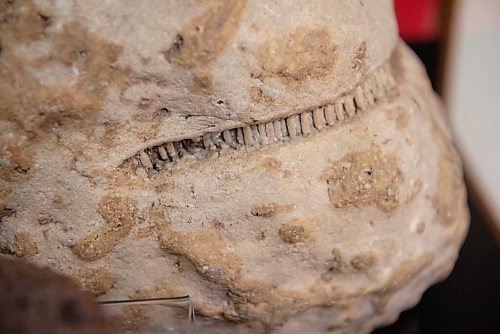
286,164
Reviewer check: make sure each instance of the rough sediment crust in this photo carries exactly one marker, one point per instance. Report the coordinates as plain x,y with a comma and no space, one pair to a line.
289,175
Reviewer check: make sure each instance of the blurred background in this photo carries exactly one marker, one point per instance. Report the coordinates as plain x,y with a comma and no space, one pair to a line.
459,42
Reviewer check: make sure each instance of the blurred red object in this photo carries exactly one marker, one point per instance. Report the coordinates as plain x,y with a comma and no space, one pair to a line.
418,20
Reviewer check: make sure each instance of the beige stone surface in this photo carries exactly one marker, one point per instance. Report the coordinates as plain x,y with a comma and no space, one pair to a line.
286,164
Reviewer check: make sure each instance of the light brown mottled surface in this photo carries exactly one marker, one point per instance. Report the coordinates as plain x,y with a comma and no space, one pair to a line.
284,163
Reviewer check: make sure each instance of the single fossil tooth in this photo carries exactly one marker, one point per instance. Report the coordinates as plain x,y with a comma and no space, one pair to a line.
155,160
261,128
330,114
197,144
248,135
291,124
217,139
172,152
208,142
234,136
370,98
305,122
359,98
145,161
277,129
349,106
184,146
255,133
270,131
284,128
228,136
319,118
163,153
339,110
239,136
180,149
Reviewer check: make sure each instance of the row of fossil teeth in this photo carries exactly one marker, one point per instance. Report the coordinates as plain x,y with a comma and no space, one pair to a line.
375,87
